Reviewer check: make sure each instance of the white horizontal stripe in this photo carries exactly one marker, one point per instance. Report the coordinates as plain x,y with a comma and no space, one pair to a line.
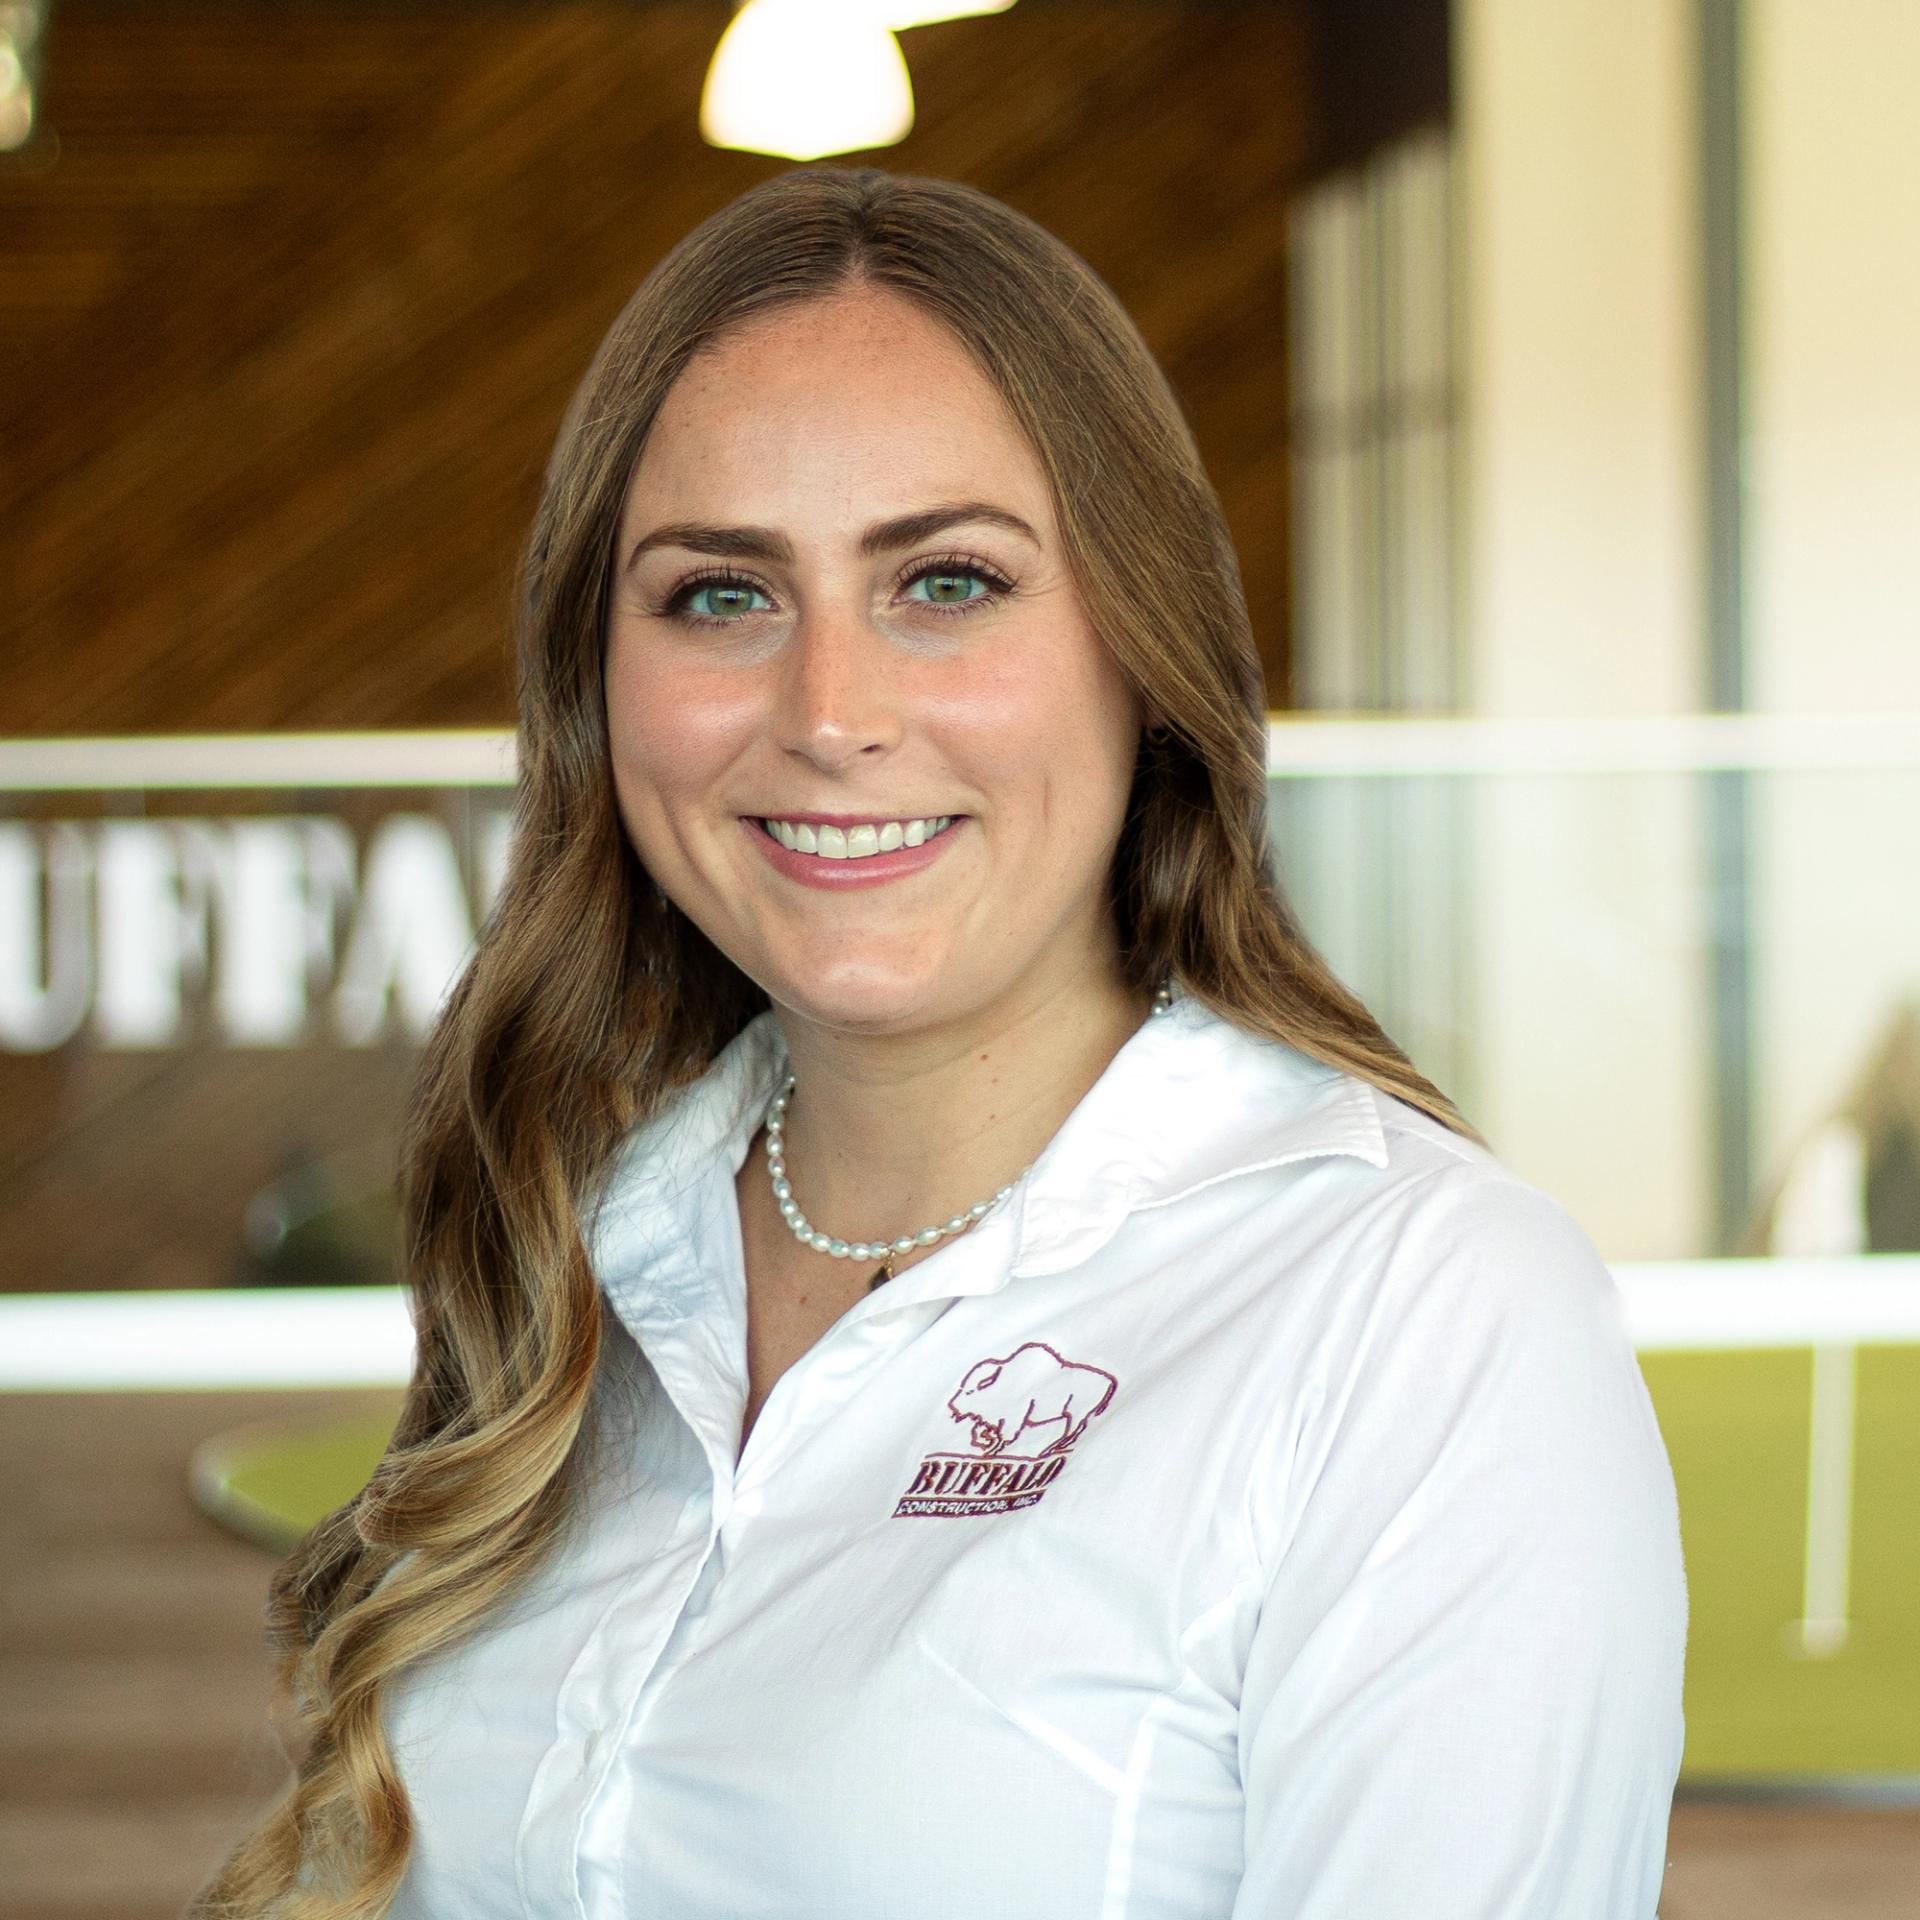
267,762
217,1337
1320,744
1298,744
1675,1305
362,1336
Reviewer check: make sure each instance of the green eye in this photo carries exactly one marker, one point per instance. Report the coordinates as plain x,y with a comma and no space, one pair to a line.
957,569
727,592
947,578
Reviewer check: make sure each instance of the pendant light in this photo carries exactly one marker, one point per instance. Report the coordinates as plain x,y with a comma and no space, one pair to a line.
805,78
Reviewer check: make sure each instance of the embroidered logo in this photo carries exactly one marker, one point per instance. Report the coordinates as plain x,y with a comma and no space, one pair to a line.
1010,1405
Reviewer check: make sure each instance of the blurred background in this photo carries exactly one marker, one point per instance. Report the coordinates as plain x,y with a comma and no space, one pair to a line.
1554,362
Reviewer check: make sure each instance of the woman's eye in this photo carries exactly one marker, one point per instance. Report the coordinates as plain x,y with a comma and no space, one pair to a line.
944,575
726,597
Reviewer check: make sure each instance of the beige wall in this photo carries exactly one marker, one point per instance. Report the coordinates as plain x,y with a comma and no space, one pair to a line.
1833,343
1580,481
1583,593
1833,499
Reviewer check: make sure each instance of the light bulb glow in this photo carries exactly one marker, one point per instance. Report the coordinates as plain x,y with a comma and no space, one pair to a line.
801,79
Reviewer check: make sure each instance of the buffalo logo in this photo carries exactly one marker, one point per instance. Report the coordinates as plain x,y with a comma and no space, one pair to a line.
1023,1413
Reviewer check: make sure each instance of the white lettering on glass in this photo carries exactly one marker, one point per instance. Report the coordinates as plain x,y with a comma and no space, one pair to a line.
412,935
254,931
46,935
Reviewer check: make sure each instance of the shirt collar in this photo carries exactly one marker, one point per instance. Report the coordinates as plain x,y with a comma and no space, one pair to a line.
1189,1099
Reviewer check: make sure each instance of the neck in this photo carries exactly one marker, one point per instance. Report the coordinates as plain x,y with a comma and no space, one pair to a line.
887,1134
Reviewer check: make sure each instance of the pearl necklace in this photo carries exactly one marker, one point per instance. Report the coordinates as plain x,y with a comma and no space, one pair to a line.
885,1251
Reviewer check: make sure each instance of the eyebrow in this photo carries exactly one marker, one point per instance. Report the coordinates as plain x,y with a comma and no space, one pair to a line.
884,536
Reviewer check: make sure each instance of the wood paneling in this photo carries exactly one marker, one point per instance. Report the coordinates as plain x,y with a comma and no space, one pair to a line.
135,1743
136,1169
288,325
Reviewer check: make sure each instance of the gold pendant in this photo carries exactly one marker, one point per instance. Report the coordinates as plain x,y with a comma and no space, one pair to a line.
882,1274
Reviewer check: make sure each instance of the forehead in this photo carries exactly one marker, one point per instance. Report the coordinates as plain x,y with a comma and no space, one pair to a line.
855,402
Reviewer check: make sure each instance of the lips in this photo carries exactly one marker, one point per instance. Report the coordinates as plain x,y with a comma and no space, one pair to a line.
839,874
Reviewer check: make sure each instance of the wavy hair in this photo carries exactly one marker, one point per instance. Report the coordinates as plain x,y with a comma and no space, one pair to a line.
590,997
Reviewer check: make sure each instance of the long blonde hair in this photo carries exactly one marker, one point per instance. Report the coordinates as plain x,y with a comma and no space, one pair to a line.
590,996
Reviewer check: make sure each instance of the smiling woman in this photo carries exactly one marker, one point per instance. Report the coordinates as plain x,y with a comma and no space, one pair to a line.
865,670
891,854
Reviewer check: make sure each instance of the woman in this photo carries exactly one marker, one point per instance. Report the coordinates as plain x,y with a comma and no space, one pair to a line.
959,1370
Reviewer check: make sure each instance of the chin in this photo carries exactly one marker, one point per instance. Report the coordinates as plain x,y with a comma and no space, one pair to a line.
874,1006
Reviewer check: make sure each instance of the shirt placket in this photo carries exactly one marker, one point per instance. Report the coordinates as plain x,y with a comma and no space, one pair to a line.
617,1656
694,1333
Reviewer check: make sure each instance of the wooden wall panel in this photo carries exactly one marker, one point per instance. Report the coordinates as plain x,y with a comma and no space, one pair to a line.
287,326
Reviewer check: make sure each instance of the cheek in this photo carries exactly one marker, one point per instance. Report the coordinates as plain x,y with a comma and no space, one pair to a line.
1056,728
670,733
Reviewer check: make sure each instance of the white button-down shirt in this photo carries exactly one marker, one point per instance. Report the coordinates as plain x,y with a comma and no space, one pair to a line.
1260,1513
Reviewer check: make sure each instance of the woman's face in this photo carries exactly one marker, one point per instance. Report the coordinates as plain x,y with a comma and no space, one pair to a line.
783,645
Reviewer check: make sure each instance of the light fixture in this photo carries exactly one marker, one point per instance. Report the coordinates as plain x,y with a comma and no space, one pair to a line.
804,78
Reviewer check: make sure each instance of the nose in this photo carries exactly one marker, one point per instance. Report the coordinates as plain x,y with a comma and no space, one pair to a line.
836,697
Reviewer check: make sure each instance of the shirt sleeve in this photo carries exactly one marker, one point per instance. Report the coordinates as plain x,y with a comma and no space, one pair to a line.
1462,1695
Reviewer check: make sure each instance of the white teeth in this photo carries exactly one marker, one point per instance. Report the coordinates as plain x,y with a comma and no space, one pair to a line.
856,843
